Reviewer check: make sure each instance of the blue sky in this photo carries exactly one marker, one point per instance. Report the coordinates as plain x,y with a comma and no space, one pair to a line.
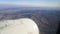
49,3
30,1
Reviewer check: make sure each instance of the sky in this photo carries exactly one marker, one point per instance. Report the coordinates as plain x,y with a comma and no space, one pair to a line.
29,0
49,3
